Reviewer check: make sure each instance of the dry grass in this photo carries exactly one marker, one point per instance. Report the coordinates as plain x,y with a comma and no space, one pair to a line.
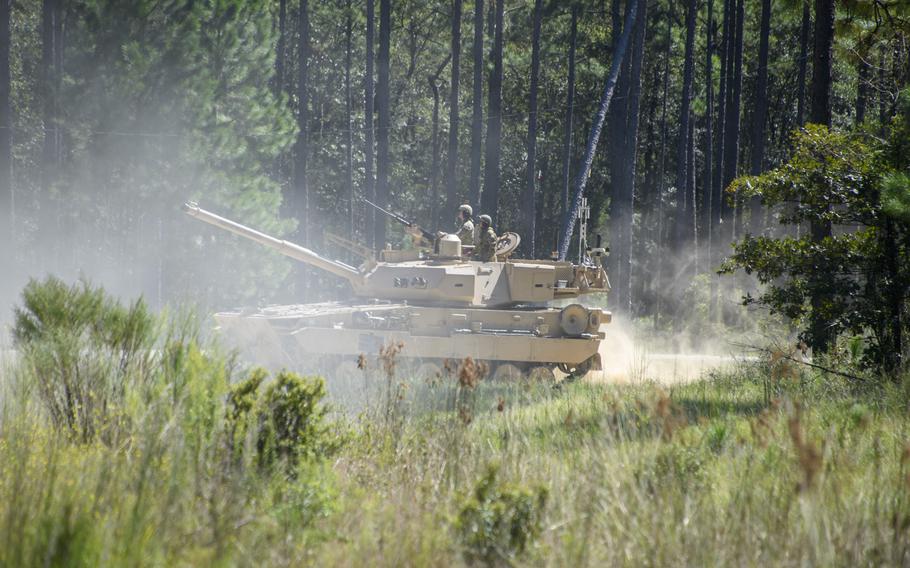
721,471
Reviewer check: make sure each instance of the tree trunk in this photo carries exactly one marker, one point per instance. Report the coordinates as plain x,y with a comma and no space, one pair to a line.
570,113
50,13
452,163
348,104
477,104
7,201
803,63
493,151
692,201
385,122
659,228
627,196
301,191
718,205
368,117
734,98
684,226
708,191
280,48
616,141
529,210
820,113
862,84
584,171
760,116
434,143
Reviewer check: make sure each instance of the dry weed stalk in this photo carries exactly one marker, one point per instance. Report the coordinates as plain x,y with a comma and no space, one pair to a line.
671,416
809,456
763,424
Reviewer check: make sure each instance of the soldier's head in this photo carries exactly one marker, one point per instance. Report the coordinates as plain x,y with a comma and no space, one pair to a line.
465,212
485,221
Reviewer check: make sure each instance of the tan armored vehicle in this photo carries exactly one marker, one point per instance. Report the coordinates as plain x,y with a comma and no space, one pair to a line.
440,306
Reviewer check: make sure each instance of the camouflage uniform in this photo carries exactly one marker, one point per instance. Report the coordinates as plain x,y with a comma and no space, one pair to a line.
485,250
466,233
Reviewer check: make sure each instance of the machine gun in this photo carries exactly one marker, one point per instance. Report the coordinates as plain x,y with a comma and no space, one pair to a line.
404,221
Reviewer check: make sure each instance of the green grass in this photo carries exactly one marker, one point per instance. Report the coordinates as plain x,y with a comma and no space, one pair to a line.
729,470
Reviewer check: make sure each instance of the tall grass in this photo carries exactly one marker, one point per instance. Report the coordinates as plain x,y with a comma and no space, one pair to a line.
198,461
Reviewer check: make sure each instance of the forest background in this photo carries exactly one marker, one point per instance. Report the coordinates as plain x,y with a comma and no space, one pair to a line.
284,114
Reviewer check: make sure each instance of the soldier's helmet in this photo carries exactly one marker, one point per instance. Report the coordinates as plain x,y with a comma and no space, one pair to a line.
466,209
486,219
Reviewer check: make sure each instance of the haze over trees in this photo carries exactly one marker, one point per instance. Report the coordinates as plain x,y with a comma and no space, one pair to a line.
286,113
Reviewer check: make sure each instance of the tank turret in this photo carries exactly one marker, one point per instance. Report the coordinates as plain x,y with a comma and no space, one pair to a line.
444,279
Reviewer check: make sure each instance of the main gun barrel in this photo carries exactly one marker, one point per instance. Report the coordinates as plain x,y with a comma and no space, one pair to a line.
286,248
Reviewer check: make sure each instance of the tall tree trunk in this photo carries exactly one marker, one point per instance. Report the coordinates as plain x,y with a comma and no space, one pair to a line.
659,240
761,112
684,228
708,191
369,182
281,47
616,140
529,210
627,195
301,191
692,201
734,98
803,62
570,113
434,143
50,13
477,104
490,197
862,83
820,108
452,163
718,205
581,176
820,113
348,107
7,202
385,122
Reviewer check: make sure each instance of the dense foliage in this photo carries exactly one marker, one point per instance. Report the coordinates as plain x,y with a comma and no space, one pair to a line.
856,185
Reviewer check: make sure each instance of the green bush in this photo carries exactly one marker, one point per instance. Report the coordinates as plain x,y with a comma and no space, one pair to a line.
80,347
499,521
287,420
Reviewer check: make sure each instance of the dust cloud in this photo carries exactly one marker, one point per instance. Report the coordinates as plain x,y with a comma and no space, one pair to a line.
631,358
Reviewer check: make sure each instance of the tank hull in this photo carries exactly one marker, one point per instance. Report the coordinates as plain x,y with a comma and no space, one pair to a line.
313,336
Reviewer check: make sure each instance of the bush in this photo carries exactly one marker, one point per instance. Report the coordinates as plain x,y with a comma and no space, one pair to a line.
287,421
499,521
79,347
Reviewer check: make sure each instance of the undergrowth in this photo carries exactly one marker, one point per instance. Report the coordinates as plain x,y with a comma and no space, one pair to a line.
173,454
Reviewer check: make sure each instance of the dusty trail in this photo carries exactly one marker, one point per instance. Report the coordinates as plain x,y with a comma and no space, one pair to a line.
625,362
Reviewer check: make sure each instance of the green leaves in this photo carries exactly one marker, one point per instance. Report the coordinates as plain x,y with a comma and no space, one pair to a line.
896,196
854,278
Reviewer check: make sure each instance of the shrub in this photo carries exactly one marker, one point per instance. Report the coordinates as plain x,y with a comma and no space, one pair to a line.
79,347
287,421
498,522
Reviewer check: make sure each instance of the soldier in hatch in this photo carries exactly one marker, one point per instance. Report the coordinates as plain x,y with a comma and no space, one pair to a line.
485,249
465,225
